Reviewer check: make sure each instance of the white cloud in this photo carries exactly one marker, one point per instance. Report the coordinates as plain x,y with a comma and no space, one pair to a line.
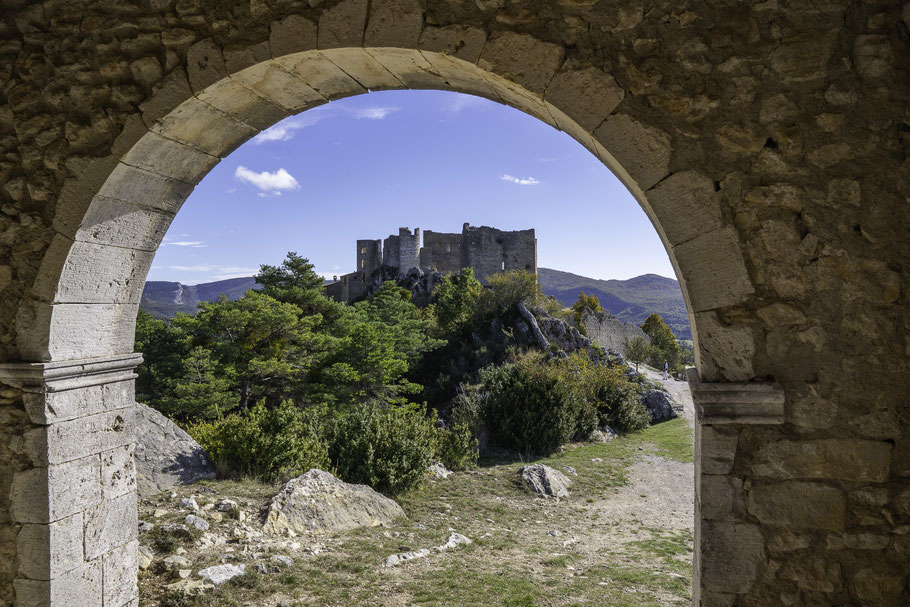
528,181
374,113
286,129
460,102
270,183
196,244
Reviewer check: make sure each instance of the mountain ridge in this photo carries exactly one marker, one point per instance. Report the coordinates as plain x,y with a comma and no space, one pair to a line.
630,300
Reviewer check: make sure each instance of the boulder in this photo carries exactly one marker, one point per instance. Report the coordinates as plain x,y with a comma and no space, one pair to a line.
545,481
659,405
438,470
317,503
220,574
166,456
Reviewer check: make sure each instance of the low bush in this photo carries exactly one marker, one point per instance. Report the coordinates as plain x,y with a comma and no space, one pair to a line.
388,448
528,406
458,441
273,444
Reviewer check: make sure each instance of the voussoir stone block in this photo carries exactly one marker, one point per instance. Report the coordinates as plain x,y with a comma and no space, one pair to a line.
114,222
79,330
361,66
203,127
409,67
95,273
686,204
588,96
842,459
242,104
321,75
272,81
798,505
110,525
135,185
642,151
726,351
461,75
714,270
170,158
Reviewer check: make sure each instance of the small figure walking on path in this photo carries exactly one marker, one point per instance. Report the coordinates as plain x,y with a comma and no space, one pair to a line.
666,370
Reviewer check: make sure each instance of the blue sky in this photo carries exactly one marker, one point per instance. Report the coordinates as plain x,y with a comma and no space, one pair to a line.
363,166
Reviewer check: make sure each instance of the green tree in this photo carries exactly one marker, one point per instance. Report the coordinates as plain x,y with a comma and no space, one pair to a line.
203,389
505,290
637,350
164,349
584,302
663,342
457,301
296,282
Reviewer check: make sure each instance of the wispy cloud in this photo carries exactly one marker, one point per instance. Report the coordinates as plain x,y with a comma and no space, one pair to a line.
272,184
460,102
196,244
528,181
374,113
286,129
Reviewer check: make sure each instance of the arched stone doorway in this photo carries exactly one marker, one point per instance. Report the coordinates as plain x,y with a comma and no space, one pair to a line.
738,151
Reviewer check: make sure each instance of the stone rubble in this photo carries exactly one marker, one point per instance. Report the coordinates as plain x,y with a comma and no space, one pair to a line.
545,481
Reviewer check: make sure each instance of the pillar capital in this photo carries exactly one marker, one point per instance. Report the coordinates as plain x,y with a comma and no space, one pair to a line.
736,402
59,376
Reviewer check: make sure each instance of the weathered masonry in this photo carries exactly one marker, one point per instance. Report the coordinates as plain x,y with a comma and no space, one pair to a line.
486,250
767,142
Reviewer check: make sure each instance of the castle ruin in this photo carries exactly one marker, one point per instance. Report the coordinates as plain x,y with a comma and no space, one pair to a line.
484,249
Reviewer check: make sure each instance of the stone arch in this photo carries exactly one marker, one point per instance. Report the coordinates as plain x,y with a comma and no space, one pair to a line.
768,147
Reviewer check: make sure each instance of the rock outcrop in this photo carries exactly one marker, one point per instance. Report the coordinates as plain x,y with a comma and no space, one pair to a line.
659,406
166,455
317,503
545,481
610,332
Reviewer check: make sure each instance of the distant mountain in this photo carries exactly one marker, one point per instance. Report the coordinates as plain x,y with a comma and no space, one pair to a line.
629,300
165,299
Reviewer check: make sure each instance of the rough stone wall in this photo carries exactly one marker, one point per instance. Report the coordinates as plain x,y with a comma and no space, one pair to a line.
348,287
391,251
408,249
768,142
369,256
441,252
491,251
609,332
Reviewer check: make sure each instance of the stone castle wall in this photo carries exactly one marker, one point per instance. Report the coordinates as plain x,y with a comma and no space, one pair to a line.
490,251
369,256
441,251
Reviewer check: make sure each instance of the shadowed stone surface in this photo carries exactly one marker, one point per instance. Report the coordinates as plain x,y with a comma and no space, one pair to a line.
166,456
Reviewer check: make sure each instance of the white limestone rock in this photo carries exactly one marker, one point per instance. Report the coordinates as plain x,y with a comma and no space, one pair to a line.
166,456
317,503
397,559
545,481
219,574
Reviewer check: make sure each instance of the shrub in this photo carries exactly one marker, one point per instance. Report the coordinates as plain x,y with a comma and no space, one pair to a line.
388,448
274,444
616,399
458,443
528,406
505,290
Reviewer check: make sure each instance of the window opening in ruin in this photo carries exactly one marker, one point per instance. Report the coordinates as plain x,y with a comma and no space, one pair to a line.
264,196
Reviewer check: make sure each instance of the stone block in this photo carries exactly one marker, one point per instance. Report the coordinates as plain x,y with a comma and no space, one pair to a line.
798,505
170,158
131,184
46,494
719,497
686,205
641,150
120,567
114,222
588,96
272,81
520,98
322,75
878,586
79,330
292,34
522,59
242,104
48,551
80,587
396,23
170,92
456,41
716,449
812,573
80,437
726,351
713,270
842,459
52,407
96,273
461,76
118,472
732,556
409,67
361,66
205,64
343,24
203,127
110,525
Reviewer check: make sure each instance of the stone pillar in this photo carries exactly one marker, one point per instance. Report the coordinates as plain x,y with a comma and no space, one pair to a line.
730,552
74,508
